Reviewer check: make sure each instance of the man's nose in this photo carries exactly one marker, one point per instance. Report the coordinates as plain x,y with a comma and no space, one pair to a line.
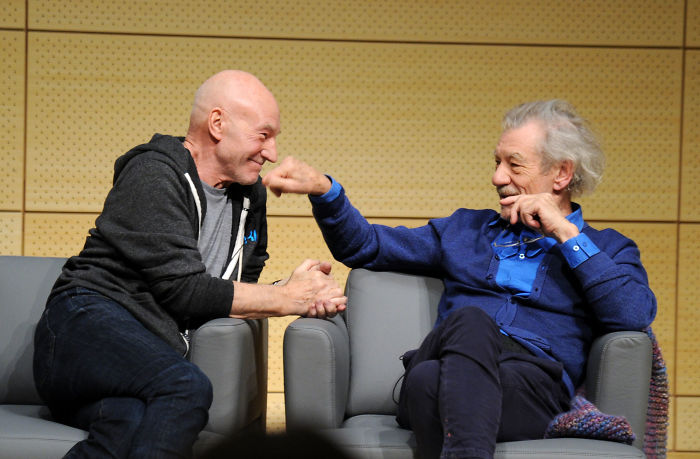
269,151
500,177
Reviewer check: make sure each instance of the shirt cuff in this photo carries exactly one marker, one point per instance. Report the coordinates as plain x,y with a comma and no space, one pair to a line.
578,249
329,195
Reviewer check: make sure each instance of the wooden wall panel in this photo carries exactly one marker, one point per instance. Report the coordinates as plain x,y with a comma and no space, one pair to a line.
690,185
688,335
10,233
56,235
393,122
275,412
12,14
593,22
692,37
687,423
671,428
12,81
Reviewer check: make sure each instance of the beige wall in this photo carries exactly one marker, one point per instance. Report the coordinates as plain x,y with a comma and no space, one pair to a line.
400,101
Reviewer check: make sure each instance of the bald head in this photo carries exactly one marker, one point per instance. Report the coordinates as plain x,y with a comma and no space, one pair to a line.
231,90
233,128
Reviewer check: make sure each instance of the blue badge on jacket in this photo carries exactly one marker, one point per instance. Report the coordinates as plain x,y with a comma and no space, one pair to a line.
251,237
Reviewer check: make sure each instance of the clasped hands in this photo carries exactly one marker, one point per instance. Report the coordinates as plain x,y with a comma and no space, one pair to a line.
312,291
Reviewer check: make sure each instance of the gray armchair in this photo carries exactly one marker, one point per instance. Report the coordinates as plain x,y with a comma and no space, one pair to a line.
231,352
341,374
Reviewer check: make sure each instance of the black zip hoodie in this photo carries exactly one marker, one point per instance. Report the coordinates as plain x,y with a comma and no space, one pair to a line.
143,251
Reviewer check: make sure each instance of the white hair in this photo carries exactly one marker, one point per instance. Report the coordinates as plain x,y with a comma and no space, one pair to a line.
567,138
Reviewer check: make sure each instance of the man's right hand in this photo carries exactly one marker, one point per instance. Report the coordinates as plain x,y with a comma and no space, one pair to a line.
295,176
313,291
310,291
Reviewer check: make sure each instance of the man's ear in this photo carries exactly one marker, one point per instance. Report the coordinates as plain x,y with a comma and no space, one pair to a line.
215,123
565,173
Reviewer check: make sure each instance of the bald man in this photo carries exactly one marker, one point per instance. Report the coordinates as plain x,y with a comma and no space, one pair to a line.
181,240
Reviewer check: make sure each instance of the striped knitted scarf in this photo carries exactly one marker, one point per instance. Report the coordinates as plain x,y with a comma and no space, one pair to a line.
584,420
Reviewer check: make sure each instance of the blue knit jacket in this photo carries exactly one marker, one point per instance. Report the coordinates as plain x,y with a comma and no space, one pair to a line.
567,308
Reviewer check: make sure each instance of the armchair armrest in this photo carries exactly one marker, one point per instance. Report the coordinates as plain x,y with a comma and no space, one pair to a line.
618,376
233,354
316,373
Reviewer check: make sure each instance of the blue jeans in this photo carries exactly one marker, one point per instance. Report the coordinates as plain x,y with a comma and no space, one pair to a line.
467,387
101,370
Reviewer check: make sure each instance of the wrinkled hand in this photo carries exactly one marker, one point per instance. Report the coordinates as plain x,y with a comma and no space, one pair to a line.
313,292
541,213
295,176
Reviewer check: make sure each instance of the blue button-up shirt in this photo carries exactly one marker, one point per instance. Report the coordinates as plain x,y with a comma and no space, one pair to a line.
521,250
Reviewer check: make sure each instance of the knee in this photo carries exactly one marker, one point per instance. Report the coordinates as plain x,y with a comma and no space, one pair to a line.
122,408
202,386
423,380
190,381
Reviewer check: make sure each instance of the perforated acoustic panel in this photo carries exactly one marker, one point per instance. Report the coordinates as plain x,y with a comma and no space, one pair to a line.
275,412
12,13
597,22
692,33
688,335
10,233
409,129
690,186
12,119
688,423
56,235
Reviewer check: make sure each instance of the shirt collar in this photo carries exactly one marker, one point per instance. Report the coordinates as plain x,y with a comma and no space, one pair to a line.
576,217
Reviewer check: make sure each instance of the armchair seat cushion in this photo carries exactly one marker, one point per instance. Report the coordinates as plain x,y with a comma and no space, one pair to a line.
27,431
379,436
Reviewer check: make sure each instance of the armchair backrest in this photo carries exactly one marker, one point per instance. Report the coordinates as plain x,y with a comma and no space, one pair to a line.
388,313
25,283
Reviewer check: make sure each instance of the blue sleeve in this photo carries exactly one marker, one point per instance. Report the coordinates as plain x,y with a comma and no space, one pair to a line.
615,283
578,249
358,244
329,195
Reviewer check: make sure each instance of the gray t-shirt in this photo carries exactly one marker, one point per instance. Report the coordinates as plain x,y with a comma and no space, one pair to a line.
215,236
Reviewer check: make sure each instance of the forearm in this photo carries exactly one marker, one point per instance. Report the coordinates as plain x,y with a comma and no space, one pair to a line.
349,236
256,301
309,291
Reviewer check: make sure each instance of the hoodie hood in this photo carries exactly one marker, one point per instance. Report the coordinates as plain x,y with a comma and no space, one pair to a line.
172,149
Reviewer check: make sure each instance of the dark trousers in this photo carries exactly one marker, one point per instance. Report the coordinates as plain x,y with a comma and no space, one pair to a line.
99,369
466,388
